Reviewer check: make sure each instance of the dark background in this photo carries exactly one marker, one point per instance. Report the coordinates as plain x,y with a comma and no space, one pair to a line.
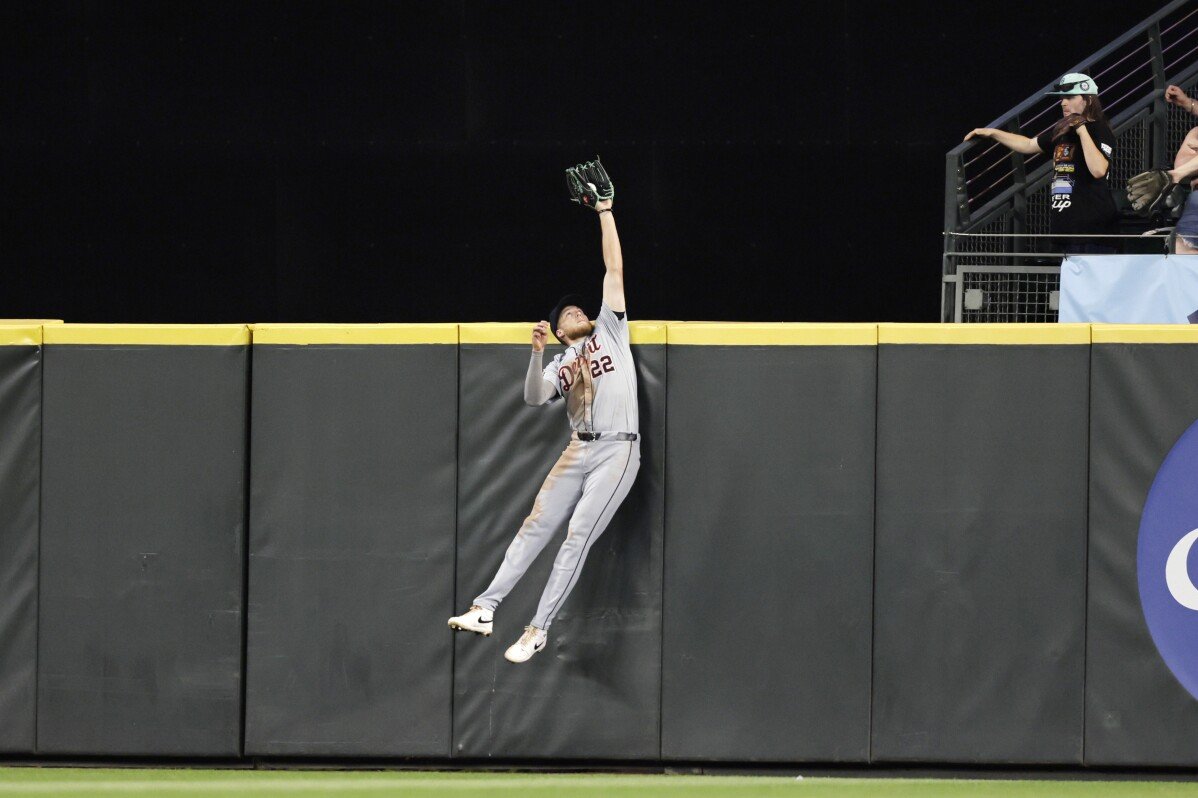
369,161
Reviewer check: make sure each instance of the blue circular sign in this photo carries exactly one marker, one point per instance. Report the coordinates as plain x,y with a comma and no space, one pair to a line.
1167,560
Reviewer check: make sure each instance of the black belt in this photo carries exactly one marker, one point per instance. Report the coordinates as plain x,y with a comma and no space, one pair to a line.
607,436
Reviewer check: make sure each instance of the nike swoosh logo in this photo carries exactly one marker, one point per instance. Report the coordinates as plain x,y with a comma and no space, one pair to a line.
484,620
538,646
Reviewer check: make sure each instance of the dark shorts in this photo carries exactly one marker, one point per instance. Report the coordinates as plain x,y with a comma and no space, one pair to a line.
1187,225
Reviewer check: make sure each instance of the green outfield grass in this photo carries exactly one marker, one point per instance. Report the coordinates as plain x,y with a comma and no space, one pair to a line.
227,783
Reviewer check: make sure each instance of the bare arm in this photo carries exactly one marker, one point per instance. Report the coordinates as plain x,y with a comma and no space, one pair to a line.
1012,141
1176,96
1186,171
1096,161
613,259
1187,153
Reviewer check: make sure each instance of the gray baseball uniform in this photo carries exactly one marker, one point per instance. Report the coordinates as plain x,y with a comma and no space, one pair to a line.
597,378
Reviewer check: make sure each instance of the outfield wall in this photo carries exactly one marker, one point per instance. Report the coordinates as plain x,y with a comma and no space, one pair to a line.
847,543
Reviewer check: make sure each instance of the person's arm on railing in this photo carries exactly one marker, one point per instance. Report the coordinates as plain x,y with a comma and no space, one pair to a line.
1174,95
1012,141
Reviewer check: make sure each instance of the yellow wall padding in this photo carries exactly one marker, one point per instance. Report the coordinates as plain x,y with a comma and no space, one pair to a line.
148,334
1145,333
20,334
1026,334
360,334
639,332
710,333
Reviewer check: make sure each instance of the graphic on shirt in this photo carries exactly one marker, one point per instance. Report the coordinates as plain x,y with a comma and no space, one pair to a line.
1062,192
591,359
1079,203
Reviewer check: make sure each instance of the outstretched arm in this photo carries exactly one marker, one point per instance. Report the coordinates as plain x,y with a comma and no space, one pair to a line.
613,258
1012,141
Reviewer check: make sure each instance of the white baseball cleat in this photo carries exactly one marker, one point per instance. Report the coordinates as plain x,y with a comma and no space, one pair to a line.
475,619
532,641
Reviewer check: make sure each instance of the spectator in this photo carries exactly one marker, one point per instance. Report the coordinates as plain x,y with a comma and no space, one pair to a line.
1185,167
1081,145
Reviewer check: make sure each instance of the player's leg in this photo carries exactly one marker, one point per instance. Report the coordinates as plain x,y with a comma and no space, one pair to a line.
611,471
606,485
556,499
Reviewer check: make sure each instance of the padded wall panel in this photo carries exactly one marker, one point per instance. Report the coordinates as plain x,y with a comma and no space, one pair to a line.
769,551
351,549
20,459
1143,397
980,551
142,545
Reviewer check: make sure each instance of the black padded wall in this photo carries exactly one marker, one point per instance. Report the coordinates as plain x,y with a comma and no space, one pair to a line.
595,691
1143,397
769,550
20,456
351,549
143,508
980,553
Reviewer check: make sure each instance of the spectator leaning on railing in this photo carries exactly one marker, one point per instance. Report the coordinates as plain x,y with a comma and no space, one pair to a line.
1185,167
1148,190
1081,144
1187,155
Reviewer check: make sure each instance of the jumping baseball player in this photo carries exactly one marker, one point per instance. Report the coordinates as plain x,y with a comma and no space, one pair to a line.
596,377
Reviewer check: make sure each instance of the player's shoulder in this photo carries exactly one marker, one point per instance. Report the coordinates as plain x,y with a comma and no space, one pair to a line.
605,312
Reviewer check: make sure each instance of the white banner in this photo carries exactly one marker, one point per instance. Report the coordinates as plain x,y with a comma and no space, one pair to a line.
1130,289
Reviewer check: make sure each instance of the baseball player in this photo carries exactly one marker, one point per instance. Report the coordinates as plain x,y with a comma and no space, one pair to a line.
596,377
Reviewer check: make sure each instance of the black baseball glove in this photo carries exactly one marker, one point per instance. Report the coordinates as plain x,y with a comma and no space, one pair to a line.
589,184
1148,190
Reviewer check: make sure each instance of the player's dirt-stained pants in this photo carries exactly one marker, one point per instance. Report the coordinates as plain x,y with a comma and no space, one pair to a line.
591,478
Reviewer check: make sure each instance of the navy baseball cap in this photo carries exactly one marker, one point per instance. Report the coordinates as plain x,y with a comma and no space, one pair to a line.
569,299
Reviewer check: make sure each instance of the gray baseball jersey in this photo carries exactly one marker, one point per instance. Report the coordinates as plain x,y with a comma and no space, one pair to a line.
597,378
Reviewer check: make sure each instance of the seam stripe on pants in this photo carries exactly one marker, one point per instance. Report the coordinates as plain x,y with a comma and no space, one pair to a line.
598,518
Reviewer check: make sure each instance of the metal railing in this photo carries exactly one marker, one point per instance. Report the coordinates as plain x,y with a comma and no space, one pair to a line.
1019,280
995,197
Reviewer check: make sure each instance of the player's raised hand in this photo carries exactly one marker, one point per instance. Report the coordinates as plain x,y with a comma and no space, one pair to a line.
589,185
539,334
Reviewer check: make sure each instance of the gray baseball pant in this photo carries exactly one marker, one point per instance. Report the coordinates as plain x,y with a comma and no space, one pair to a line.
586,485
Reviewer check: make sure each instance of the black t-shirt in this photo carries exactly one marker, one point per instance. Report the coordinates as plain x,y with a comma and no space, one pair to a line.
1079,202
